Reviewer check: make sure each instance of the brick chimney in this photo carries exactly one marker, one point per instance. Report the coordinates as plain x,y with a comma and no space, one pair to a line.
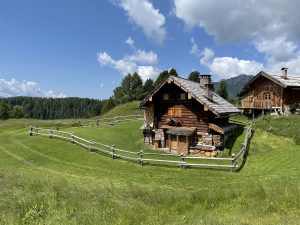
284,72
205,82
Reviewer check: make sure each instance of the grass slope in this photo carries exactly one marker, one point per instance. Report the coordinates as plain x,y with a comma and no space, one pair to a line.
130,108
45,181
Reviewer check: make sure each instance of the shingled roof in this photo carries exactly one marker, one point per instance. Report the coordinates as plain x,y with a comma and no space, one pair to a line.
290,81
217,105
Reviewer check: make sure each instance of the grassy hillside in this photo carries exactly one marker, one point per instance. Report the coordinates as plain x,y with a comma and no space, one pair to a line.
44,181
130,108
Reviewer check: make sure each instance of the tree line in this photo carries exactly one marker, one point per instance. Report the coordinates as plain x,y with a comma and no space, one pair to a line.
131,88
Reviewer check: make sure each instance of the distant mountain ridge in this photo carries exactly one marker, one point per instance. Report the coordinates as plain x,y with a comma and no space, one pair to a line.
234,84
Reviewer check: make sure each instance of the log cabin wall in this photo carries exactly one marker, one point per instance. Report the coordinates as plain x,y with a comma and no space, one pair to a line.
263,94
188,112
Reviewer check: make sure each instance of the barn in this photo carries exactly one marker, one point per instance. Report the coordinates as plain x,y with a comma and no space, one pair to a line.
269,92
186,116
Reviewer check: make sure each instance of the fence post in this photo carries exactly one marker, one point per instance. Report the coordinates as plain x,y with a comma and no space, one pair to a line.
73,139
91,145
113,151
141,157
183,162
31,130
234,162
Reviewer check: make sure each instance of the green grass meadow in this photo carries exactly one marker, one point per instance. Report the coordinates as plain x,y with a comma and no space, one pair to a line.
50,181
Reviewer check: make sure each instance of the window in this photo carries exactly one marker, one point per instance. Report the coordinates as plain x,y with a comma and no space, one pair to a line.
166,96
268,96
183,96
182,139
174,112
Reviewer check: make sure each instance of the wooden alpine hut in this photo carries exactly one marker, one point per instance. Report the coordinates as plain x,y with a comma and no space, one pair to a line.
187,116
269,92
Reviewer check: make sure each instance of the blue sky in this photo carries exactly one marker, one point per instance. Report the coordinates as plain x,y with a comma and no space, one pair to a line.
83,48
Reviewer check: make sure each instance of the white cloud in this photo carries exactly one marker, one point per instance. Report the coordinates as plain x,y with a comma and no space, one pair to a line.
237,20
130,42
226,67
144,15
207,56
141,56
101,85
277,50
195,49
147,72
14,87
140,61
279,53
51,94
123,66
271,25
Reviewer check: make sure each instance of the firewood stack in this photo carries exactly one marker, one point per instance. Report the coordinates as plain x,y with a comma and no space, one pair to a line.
217,140
205,139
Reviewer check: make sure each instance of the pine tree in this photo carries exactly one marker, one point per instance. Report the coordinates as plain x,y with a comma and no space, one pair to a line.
161,77
4,110
173,72
194,76
222,91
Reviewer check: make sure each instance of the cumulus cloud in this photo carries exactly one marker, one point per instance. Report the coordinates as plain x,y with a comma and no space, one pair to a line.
140,61
125,66
207,56
144,15
272,26
141,56
14,87
236,20
148,72
226,67
279,53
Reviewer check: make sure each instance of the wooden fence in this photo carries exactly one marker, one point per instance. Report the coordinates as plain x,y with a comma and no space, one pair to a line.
142,157
109,121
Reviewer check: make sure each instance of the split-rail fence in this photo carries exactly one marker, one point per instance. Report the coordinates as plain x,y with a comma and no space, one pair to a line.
142,157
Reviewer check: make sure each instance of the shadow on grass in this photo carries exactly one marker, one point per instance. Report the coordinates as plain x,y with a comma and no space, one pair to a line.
237,133
246,153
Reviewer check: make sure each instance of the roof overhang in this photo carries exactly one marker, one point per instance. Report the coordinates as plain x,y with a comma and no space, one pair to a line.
222,129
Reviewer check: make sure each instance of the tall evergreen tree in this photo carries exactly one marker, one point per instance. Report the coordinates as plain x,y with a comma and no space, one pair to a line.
161,77
194,76
222,91
4,110
173,72
148,86
131,88
137,87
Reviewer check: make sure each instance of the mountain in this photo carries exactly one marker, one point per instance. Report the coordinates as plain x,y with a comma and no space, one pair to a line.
234,84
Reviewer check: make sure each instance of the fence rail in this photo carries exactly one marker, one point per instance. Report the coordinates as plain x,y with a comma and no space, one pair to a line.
180,160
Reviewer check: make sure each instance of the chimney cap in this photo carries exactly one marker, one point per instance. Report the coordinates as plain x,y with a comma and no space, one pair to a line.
205,75
284,68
